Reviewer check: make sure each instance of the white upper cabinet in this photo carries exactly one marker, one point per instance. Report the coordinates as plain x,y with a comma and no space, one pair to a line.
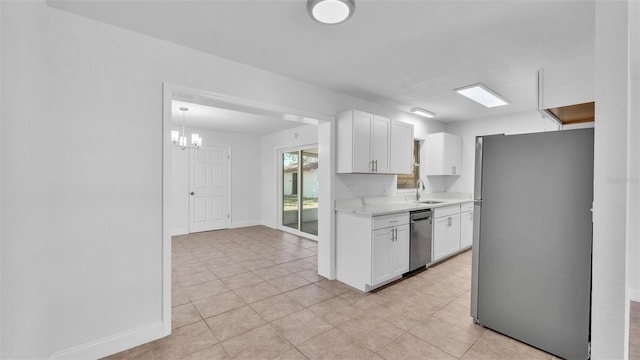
366,144
444,154
401,148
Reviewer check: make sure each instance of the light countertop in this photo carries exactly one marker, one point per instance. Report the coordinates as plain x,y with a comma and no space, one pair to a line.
393,206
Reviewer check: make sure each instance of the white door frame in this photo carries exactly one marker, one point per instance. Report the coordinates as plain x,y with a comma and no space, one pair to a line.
228,160
279,182
326,153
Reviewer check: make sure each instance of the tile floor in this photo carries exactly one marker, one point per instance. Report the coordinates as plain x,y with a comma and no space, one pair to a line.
634,331
254,293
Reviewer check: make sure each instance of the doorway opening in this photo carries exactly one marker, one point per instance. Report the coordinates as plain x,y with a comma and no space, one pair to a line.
299,186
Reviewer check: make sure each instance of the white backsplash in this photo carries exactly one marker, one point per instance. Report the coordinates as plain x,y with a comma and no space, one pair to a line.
350,186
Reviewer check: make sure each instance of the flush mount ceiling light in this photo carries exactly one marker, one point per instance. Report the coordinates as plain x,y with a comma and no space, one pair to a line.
423,112
482,95
180,140
330,11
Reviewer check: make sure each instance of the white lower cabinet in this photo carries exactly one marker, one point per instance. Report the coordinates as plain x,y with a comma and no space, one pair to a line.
466,229
446,235
390,253
371,251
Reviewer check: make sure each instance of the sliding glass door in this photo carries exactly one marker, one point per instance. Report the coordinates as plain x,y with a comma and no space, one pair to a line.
300,190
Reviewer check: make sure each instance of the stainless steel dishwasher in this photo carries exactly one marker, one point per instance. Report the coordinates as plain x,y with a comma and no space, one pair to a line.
420,243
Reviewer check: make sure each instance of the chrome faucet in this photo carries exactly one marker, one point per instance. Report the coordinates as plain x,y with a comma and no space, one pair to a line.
419,186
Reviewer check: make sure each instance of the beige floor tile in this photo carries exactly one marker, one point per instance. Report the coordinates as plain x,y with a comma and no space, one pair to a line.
204,290
399,314
297,265
309,295
445,292
215,352
142,352
455,314
310,275
353,296
234,322
292,354
183,341
218,304
184,315
179,297
408,346
259,343
186,280
336,310
300,326
230,270
276,307
241,280
257,292
525,350
334,344
371,331
487,350
447,337
333,286
288,282
282,258
272,272
182,269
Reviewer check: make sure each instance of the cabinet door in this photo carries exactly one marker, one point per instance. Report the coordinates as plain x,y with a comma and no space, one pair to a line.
440,227
381,135
381,248
362,142
452,155
401,148
453,234
466,229
400,251
446,236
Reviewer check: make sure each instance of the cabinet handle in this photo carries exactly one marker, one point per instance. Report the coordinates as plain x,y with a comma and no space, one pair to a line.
376,162
449,221
395,234
372,166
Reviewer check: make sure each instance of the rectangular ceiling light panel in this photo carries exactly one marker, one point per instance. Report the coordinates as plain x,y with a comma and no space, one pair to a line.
482,95
423,112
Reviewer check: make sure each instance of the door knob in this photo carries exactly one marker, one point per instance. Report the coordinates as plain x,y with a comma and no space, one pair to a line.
192,193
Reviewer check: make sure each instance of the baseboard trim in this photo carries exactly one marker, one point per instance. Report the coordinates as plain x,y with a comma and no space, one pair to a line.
242,224
268,224
634,294
113,344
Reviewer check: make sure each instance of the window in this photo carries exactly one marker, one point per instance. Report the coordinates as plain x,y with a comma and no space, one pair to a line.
409,181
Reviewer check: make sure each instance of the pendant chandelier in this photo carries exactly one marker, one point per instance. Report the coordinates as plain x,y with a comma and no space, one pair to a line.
180,140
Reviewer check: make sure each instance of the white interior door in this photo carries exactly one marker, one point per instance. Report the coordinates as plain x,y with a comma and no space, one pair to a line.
209,188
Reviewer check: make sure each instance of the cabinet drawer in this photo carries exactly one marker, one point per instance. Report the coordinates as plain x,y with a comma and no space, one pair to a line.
446,211
466,207
384,221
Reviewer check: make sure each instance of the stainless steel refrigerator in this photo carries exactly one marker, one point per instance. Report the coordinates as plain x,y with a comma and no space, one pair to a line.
533,238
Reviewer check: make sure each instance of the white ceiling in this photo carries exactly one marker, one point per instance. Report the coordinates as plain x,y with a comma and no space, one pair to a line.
217,119
402,53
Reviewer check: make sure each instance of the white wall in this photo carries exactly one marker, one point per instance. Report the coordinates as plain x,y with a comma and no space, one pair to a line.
245,172
509,124
633,216
270,159
81,200
609,310
1,114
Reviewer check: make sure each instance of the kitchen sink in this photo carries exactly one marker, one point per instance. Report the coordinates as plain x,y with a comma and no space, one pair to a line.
430,202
